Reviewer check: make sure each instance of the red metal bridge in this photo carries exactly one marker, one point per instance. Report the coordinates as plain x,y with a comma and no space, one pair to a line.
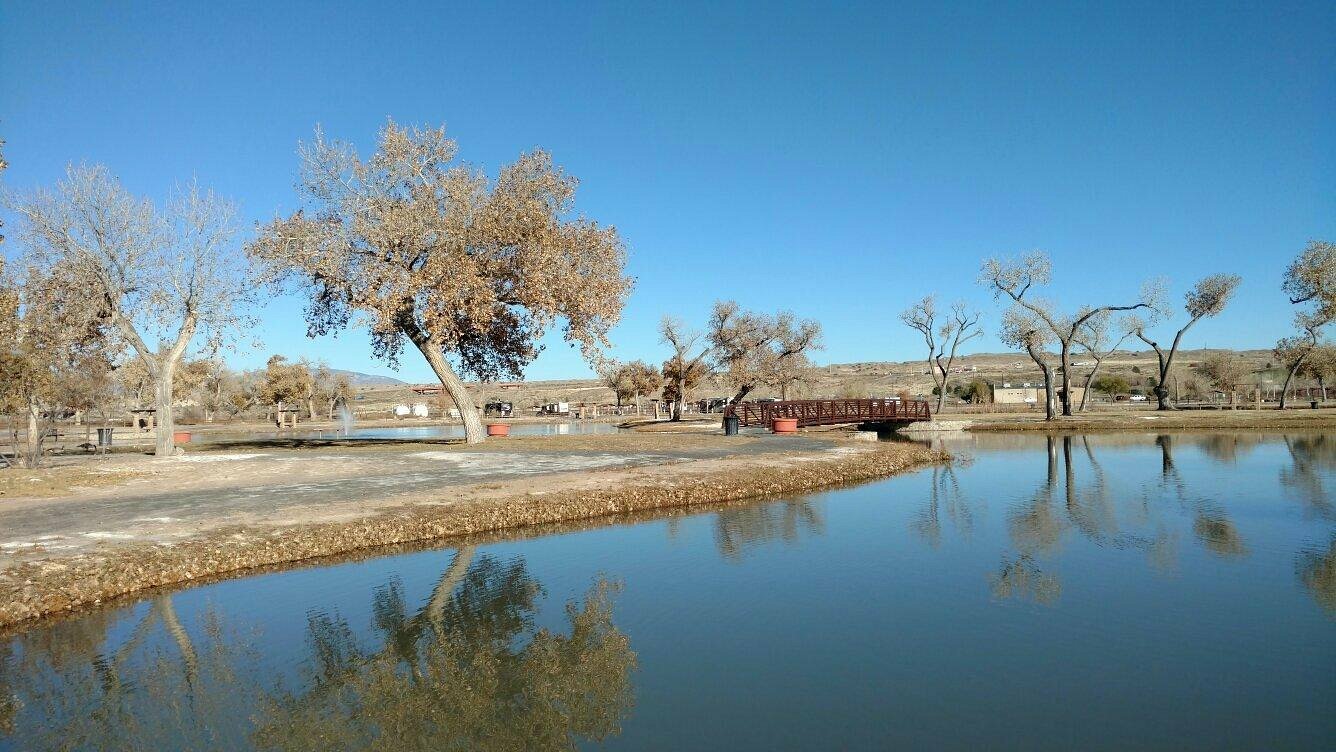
830,412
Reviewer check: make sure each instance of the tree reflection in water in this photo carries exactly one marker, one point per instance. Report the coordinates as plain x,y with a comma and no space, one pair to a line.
737,529
1082,500
469,670
1309,456
944,495
1317,571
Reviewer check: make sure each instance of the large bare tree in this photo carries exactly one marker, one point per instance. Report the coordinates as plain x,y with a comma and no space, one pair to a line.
1206,299
1023,330
1016,278
686,367
166,281
943,334
750,349
1309,280
471,272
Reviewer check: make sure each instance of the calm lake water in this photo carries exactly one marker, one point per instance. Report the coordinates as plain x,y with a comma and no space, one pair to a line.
1110,592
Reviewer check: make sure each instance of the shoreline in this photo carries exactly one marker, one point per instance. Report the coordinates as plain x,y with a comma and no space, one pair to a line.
34,590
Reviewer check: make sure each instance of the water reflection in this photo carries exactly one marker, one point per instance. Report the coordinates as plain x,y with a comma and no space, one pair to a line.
1077,496
1309,455
739,529
1317,571
469,669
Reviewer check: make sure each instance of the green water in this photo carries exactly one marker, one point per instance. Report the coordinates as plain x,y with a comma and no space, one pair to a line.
1109,592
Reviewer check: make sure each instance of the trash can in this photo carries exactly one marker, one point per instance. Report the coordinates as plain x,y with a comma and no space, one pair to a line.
104,436
730,425
1313,403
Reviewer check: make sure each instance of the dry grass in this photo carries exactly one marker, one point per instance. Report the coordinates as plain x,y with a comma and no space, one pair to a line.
61,480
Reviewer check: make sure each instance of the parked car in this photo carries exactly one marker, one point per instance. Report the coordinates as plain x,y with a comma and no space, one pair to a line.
1138,398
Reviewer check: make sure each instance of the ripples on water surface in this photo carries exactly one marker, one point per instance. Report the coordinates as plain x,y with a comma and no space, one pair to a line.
1107,592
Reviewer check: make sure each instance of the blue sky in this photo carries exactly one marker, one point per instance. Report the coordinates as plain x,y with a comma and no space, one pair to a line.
837,162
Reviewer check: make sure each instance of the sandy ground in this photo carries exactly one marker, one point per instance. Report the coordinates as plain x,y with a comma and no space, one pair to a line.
164,522
126,499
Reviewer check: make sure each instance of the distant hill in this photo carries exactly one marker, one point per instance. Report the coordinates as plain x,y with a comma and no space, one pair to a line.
367,379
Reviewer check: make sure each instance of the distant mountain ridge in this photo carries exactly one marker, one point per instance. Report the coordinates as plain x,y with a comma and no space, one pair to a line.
367,379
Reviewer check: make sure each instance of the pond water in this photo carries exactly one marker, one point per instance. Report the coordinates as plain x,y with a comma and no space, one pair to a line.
408,433
1067,592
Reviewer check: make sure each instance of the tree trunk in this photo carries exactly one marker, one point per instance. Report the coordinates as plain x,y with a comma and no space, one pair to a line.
310,407
1285,388
33,452
742,393
1048,382
162,398
1090,379
454,386
1066,378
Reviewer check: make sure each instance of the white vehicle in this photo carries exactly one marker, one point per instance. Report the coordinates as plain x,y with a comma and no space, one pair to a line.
1137,398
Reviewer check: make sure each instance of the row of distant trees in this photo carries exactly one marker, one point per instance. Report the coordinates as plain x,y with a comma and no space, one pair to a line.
1037,326
103,390
423,251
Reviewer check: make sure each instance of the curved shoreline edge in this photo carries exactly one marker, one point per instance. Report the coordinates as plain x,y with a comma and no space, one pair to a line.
35,590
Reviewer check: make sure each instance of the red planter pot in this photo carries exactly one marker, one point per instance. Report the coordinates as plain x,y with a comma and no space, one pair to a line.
181,437
785,425
498,429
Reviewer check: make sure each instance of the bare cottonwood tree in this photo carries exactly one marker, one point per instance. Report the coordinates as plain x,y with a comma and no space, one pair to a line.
1206,299
1015,278
683,370
750,349
1022,330
471,272
1309,279
166,281
943,336
1097,342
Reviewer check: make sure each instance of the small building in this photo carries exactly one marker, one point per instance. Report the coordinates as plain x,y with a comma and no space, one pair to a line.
402,411
1026,393
420,410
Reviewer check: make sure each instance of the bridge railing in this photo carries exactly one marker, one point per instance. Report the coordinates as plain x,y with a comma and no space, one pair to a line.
830,412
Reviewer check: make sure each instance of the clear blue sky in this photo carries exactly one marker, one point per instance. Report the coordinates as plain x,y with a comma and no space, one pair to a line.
840,163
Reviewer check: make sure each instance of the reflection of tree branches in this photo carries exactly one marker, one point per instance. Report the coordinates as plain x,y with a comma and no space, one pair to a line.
1033,526
1317,571
944,493
1022,578
483,676
738,528
1309,455
1227,447
469,670
145,695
